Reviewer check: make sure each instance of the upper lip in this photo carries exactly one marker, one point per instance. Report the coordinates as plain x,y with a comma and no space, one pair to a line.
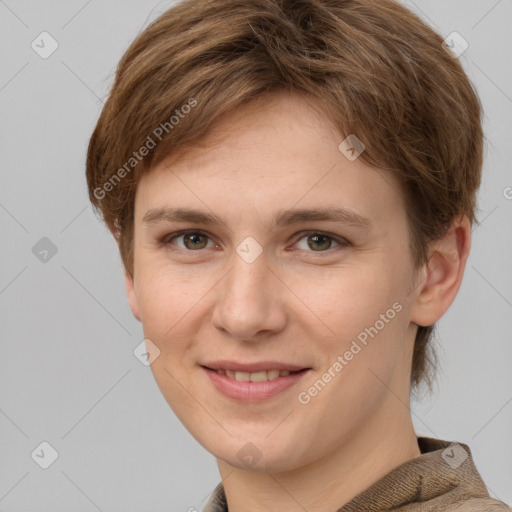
252,367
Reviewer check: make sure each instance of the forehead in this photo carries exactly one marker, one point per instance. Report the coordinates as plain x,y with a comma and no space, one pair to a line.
275,152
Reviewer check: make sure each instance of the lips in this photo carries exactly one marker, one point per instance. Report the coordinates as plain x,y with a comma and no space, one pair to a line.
253,381
253,367
260,376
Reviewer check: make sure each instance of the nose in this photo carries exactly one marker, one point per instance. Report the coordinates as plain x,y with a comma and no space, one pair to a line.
249,302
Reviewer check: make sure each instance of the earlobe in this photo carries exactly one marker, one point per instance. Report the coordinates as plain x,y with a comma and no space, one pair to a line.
442,273
131,295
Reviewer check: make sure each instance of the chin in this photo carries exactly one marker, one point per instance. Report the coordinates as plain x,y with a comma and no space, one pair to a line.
257,454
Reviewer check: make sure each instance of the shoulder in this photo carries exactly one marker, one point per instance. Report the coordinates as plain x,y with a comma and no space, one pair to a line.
481,505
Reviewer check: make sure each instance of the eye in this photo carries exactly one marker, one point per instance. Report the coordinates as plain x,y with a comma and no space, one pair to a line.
320,242
194,240
190,240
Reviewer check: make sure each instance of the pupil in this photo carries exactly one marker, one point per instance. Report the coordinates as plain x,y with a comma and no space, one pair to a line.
195,240
318,238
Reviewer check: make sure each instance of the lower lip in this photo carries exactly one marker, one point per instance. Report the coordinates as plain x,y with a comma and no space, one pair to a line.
252,391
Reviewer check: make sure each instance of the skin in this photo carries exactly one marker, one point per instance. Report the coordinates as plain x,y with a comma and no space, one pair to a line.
295,303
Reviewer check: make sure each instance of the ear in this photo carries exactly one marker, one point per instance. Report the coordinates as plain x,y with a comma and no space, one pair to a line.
131,295
440,277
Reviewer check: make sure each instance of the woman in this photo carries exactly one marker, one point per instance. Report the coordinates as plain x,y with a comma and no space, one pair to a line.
294,216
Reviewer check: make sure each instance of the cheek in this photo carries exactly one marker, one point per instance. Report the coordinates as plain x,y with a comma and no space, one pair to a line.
347,299
367,315
167,301
169,305
363,316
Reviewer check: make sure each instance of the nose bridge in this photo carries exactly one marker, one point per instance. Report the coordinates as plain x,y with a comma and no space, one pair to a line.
247,300
248,275
248,283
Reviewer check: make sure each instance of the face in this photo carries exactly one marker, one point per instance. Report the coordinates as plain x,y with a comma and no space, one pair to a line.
283,313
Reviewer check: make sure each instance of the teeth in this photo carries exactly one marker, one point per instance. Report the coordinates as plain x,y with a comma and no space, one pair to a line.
272,374
260,376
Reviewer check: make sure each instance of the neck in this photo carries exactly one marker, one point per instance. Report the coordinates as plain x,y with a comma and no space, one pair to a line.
331,482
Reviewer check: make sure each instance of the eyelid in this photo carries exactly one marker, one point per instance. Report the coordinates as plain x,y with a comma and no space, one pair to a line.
341,241
166,239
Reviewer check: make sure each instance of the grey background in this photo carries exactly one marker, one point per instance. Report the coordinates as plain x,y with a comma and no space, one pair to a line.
68,375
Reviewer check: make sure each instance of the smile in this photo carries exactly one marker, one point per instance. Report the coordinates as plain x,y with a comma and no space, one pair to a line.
253,386
260,376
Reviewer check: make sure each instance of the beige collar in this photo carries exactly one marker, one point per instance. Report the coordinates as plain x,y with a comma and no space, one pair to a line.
442,479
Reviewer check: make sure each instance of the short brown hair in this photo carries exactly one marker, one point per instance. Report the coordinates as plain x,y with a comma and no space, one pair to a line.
381,72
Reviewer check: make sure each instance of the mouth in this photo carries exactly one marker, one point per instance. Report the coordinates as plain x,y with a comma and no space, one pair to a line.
260,383
260,376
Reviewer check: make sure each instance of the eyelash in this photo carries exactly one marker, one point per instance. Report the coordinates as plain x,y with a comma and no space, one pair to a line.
167,239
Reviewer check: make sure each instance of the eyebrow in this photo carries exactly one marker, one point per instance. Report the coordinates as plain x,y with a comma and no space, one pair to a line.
282,217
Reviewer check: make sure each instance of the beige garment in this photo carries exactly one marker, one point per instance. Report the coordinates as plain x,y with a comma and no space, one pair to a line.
442,479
